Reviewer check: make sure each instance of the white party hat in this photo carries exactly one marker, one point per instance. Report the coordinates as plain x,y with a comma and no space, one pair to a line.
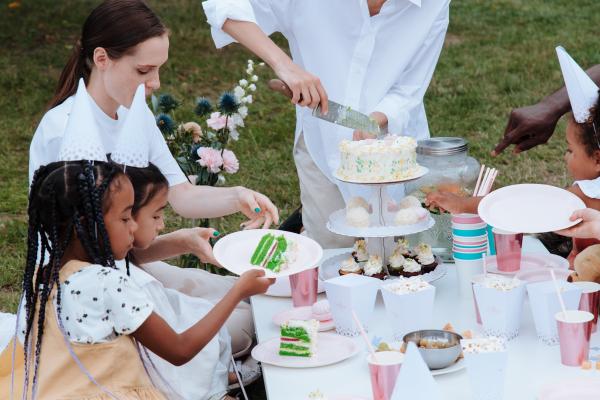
132,147
81,140
583,92
415,381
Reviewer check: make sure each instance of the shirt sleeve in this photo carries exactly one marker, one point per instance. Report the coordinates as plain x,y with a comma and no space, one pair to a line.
269,15
591,188
408,92
161,156
129,305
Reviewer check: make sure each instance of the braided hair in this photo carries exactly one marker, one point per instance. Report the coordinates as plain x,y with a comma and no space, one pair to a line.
589,131
67,201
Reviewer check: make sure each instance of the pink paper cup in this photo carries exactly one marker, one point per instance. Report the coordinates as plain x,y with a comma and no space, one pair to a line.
384,371
590,300
466,219
508,250
305,287
574,336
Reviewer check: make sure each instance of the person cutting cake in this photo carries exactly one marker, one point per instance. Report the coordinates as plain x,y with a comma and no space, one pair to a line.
374,56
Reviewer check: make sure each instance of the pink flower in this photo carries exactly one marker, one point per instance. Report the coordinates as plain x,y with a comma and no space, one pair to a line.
210,158
217,121
231,165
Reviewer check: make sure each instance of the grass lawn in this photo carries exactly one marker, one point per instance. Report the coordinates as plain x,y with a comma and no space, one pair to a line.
498,55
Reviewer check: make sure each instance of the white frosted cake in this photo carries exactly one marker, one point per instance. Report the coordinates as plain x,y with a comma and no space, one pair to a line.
391,159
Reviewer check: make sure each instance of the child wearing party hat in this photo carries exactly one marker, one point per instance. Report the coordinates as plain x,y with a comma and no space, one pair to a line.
582,156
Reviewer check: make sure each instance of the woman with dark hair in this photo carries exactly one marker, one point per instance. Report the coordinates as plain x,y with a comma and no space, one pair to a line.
123,44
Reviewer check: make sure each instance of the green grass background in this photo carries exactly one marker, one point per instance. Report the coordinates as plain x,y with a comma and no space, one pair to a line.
498,55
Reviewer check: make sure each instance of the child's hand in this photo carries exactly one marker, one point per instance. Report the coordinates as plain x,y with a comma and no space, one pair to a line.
198,243
446,201
588,228
252,282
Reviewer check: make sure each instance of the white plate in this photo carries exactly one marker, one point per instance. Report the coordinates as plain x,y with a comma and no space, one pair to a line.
234,251
303,314
337,224
529,262
331,349
282,288
421,171
457,366
331,266
530,208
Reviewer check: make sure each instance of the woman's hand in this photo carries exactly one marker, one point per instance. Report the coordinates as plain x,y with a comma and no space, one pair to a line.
197,241
306,88
261,212
252,282
588,228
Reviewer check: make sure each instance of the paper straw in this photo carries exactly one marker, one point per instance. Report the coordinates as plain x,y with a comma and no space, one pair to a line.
364,335
484,181
493,176
560,299
478,180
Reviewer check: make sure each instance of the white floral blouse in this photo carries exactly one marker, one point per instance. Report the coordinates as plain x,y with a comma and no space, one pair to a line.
99,304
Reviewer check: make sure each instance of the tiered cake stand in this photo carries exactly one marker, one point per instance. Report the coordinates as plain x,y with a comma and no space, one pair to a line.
382,230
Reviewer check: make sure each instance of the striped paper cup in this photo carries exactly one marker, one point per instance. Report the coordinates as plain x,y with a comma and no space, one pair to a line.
466,219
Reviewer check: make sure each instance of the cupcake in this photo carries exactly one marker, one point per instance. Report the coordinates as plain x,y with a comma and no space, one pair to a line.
410,216
321,311
425,257
395,264
408,202
374,267
357,217
350,266
403,248
358,202
411,268
359,251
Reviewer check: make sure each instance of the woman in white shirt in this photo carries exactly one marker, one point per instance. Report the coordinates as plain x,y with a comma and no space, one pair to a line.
375,56
123,44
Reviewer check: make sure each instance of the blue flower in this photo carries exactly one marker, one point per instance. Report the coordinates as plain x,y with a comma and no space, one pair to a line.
203,107
228,104
194,152
165,123
167,103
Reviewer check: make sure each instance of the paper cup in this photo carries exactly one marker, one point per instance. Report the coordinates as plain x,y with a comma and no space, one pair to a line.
305,287
409,312
500,310
544,305
383,370
466,218
487,373
465,271
351,292
508,250
574,330
590,300
468,256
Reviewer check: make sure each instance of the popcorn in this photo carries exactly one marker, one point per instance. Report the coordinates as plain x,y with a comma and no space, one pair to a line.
407,285
490,344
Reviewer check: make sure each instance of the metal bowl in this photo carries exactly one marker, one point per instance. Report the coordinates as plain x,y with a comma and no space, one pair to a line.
436,358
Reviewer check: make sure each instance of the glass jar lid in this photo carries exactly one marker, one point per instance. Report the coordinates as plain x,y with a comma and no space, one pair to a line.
442,146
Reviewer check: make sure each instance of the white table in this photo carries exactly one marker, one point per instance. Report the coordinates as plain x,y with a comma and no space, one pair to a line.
531,364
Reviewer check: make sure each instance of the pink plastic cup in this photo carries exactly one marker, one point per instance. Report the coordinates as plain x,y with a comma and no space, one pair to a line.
590,300
384,372
305,286
508,250
574,330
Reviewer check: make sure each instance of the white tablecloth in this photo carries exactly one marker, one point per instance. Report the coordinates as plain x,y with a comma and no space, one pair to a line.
531,364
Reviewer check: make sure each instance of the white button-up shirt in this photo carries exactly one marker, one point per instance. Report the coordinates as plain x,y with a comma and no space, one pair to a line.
380,63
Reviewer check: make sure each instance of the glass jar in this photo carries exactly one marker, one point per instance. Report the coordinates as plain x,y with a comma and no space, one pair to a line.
451,170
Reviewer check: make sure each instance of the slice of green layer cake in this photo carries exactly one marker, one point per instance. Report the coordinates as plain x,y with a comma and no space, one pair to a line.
274,252
299,338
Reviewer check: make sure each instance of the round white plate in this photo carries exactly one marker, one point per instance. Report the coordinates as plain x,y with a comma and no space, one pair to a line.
530,208
337,224
282,288
331,349
421,171
457,366
330,269
303,314
234,251
529,262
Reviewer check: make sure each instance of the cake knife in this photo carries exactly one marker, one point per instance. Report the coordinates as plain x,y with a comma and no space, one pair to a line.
338,114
